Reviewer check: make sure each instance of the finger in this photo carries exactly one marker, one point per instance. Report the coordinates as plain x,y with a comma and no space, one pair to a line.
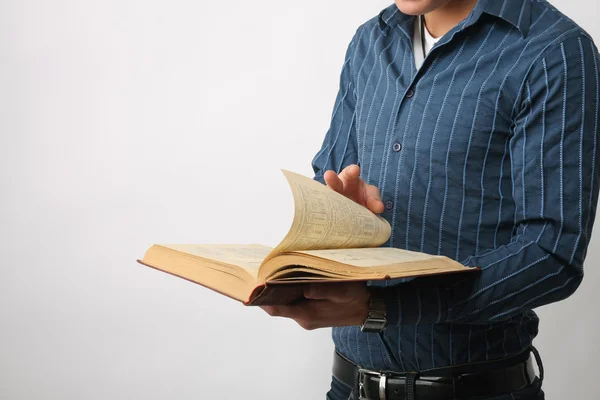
281,311
337,293
317,314
373,199
333,181
269,310
306,314
350,175
316,292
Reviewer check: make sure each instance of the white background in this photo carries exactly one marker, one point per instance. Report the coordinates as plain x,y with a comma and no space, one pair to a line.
125,123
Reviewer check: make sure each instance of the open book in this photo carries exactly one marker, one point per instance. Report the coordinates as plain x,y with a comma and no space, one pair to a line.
332,239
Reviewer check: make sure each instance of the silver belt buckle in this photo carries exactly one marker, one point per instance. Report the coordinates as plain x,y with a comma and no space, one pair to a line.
362,373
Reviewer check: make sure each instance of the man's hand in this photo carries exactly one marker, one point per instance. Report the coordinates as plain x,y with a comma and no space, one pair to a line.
336,304
327,305
349,183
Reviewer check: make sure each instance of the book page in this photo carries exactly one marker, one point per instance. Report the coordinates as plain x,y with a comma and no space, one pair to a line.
372,257
356,264
248,257
325,219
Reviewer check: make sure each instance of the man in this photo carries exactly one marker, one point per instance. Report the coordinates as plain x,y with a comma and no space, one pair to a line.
473,131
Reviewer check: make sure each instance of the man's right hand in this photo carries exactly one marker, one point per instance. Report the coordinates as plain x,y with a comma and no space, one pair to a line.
350,184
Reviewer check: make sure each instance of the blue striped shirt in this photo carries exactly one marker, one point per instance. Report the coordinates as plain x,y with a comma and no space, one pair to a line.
487,154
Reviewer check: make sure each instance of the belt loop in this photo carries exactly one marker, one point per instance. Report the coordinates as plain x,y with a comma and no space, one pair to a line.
538,360
382,386
456,387
411,377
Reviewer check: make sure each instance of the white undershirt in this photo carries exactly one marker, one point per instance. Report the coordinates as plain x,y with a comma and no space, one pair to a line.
430,41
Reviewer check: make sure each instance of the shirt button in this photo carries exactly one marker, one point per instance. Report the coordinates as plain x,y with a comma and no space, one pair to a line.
389,205
397,147
410,93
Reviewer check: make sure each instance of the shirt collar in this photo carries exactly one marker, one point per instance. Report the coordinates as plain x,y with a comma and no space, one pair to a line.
515,12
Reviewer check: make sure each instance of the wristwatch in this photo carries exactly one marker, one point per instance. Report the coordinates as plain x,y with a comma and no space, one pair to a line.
376,320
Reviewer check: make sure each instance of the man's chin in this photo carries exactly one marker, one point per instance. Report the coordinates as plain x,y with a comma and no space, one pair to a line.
416,7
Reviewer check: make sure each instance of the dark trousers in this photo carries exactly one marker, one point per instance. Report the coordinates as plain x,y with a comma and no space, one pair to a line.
339,391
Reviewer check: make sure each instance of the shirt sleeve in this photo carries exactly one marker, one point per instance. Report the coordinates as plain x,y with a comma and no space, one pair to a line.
339,148
554,168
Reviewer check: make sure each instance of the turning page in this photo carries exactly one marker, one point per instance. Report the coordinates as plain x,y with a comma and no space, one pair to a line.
325,219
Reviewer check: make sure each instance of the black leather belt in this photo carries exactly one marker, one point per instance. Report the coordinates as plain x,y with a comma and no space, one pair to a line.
486,379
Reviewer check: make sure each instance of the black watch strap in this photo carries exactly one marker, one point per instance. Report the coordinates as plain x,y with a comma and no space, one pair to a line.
376,320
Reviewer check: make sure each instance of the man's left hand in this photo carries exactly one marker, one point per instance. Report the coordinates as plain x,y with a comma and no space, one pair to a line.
327,305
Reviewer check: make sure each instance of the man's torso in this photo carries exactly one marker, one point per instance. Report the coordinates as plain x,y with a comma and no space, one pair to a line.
436,141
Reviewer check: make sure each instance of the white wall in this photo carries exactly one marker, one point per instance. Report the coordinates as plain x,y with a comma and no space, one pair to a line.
124,123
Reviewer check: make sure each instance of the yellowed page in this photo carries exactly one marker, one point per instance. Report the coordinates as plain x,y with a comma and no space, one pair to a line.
352,264
248,257
325,219
372,257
